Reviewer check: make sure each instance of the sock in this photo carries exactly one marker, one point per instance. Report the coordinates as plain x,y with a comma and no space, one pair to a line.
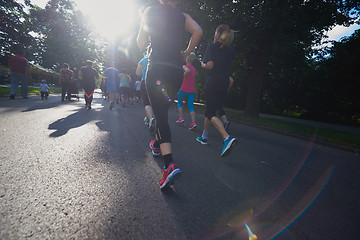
205,134
167,160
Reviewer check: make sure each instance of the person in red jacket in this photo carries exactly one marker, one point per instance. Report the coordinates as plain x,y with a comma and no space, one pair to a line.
65,79
19,72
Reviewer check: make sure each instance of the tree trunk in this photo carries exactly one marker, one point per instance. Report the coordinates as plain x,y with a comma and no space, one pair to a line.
258,62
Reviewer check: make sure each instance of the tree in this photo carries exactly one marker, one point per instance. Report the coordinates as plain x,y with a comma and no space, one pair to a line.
333,94
269,32
63,36
14,29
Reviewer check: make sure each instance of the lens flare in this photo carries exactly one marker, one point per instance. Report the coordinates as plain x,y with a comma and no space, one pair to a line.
290,178
301,207
252,236
240,219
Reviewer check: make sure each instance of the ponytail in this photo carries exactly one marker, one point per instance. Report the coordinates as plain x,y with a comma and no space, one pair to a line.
226,35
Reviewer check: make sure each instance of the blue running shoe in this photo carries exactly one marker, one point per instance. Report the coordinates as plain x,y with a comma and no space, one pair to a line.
146,121
229,144
202,140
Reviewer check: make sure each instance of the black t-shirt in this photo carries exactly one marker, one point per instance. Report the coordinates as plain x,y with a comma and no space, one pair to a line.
166,26
88,76
218,76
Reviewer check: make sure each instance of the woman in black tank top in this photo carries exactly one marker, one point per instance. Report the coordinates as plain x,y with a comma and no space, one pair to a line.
165,26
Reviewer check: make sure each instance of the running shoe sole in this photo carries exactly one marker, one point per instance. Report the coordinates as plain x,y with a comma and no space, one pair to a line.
155,154
229,147
193,127
171,178
203,143
181,122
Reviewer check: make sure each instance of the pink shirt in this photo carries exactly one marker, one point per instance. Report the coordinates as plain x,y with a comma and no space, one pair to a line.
188,84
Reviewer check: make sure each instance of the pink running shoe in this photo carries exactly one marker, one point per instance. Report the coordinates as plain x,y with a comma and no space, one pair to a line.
180,120
155,151
192,126
170,175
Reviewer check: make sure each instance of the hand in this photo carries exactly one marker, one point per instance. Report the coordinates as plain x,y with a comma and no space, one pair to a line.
184,55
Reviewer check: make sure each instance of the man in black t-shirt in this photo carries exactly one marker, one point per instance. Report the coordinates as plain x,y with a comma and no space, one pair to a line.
87,75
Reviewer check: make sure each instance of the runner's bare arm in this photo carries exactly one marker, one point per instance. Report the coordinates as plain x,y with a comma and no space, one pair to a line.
208,66
194,28
139,70
186,70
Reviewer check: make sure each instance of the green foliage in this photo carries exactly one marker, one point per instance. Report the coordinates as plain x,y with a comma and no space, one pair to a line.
63,36
333,94
14,29
275,40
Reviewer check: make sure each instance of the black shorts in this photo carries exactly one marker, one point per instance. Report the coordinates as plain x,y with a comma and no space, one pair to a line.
215,100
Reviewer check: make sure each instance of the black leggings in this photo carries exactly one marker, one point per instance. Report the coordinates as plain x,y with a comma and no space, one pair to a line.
163,83
144,94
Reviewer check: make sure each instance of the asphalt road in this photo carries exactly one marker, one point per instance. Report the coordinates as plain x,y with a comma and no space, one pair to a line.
70,173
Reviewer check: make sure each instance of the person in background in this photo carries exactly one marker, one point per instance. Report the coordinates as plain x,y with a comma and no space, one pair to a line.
149,114
19,72
217,61
103,88
164,26
137,88
132,90
124,86
87,75
66,77
44,89
112,83
187,90
221,111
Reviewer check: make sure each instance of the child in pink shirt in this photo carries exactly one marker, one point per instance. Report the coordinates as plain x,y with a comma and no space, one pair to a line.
187,90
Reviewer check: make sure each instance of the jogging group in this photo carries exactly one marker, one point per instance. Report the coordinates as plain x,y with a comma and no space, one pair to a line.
164,76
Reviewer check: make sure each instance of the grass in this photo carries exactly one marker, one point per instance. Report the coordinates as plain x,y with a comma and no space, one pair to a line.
329,135
31,90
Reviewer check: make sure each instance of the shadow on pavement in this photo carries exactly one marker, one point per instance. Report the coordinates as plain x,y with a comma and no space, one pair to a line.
63,125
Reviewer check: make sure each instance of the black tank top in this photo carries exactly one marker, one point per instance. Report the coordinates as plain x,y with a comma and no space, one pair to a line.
166,26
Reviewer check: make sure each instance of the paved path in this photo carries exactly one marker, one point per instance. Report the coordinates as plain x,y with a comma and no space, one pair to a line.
69,173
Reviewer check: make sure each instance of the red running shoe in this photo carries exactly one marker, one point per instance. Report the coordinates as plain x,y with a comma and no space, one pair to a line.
180,120
192,126
170,175
155,151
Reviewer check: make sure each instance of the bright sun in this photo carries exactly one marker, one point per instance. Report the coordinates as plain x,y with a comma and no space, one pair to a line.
111,19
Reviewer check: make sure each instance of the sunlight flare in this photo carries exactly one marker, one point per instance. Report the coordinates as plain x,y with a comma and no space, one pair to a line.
111,19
